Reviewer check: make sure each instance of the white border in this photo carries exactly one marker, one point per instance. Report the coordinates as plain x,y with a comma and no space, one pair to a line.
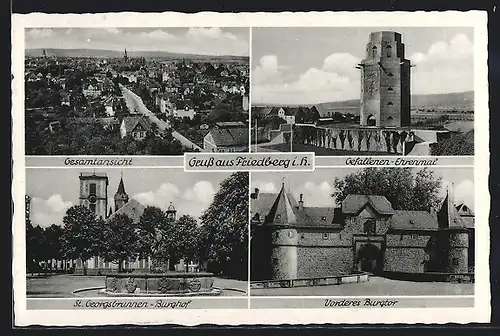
476,19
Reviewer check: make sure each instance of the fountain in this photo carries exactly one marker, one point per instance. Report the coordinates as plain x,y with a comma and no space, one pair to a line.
161,284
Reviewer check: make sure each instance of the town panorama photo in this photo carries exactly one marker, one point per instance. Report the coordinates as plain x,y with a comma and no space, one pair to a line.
135,91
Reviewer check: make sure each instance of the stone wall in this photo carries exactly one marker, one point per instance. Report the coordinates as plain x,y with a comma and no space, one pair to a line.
406,252
324,261
354,139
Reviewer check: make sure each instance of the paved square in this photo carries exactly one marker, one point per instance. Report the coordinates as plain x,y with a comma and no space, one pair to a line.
375,287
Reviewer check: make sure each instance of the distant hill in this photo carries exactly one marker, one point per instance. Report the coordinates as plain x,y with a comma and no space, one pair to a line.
460,101
99,53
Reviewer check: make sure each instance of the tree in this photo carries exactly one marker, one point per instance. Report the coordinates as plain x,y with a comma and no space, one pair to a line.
34,246
402,188
459,144
189,238
53,236
224,227
81,236
119,240
150,224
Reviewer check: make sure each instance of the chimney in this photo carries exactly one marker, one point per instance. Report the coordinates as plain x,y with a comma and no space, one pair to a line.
255,194
301,202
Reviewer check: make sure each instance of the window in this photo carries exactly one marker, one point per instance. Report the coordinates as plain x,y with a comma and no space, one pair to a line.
325,235
92,207
323,218
390,118
369,227
390,89
374,51
275,261
390,103
92,189
454,261
278,216
389,51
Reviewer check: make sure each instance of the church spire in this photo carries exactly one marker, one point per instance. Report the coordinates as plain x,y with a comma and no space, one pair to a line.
121,197
121,186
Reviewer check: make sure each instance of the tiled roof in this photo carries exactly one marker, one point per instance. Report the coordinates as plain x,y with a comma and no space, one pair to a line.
283,210
132,209
229,136
132,122
448,216
262,204
230,124
464,210
353,204
413,220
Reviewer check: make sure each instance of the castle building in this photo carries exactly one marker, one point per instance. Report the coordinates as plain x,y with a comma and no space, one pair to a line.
363,234
94,196
385,82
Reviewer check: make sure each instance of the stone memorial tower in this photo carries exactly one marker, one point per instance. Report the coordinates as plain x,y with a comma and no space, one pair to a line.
385,82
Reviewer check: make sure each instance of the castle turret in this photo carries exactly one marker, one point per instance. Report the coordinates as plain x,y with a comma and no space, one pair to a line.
121,197
280,221
457,236
385,82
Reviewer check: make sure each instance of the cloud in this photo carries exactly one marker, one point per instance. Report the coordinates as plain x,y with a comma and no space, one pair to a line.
37,33
192,201
463,192
210,33
208,41
447,66
45,212
157,35
335,80
264,187
113,30
317,194
314,194
458,48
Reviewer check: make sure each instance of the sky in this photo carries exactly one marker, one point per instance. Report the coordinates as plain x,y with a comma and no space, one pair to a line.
55,190
201,41
317,186
311,65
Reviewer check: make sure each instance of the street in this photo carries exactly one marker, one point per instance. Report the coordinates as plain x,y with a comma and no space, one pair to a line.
135,105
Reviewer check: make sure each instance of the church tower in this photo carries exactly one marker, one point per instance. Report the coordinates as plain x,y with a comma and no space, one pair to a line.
385,82
125,56
94,192
121,197
171,213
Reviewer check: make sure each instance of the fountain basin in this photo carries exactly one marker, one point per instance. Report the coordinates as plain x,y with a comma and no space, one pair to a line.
175,283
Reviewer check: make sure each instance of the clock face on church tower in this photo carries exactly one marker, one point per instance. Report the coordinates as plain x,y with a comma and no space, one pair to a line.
92,198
